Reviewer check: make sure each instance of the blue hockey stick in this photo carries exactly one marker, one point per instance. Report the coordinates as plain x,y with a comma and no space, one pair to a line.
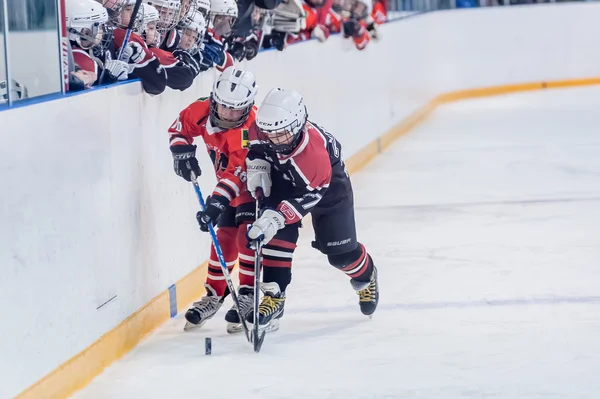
221,259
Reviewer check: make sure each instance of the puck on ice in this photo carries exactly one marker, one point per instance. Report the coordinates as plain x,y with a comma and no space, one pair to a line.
207,346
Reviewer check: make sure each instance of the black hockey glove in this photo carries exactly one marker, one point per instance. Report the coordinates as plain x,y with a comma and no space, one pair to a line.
351,28
215,206
188,59
275,39
251,46
236,48
184,161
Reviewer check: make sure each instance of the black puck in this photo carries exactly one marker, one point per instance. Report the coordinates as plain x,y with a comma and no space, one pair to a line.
207,346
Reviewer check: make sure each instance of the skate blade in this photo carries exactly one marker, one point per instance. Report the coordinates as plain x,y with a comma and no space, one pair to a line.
191,326
271,327
235,328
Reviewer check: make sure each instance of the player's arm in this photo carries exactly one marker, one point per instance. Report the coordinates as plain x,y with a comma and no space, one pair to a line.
230,185
181,139
233,181
315,175
357,31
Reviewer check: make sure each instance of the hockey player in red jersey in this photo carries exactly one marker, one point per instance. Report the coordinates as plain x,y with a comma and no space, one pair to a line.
222,121
299,167
355,26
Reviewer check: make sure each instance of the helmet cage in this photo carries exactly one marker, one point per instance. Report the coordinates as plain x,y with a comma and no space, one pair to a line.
97,29
216,120
272,138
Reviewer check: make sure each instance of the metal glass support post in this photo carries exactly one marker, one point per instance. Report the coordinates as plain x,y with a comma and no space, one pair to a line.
6,52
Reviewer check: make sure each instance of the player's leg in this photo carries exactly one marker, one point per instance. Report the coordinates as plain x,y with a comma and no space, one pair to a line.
277,275
244,217
216,286
335,236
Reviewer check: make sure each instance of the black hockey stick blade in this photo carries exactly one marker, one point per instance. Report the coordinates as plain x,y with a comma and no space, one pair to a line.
258,339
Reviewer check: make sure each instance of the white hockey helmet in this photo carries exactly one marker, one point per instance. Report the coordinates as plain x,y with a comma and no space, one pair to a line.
169,13
150,16
232,98
204,8
86,22
280,120
190,28
223,14
361,9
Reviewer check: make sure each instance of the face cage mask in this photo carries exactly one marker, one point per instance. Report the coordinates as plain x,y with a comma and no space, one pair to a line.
169,18
280,148
195,47
93,38
215,120
157,36
223,27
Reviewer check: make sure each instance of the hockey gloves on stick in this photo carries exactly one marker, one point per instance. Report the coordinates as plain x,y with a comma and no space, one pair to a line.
214,208
265,227
258,175
184,161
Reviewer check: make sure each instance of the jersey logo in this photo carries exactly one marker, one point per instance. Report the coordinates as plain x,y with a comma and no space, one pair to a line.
287,211
244,138
177,126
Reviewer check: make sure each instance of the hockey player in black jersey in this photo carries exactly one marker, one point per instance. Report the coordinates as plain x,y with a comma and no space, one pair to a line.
299,167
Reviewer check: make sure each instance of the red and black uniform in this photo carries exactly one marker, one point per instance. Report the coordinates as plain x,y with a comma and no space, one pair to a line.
180,75
149,70
227,150
312,179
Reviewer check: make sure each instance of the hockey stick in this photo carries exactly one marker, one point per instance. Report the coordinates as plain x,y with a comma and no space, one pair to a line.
257,338
221,258
130,27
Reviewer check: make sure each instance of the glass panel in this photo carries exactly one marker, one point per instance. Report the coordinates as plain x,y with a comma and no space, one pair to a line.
3,88
33,47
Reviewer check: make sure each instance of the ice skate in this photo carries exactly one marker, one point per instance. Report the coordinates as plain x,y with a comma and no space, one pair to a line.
246,299
368,293
203,310
270,309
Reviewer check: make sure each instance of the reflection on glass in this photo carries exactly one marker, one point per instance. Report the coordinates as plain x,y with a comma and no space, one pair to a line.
33,47
3,88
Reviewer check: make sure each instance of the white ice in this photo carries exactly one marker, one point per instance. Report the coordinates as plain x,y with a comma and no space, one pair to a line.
484,223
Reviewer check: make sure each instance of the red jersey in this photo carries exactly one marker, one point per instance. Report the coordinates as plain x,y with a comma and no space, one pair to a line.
84,60
227,148
119,38
379,13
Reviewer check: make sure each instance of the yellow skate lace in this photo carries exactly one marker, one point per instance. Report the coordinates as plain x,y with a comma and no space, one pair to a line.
269,305
368,294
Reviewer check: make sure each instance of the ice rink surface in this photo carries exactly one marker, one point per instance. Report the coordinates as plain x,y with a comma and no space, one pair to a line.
484,223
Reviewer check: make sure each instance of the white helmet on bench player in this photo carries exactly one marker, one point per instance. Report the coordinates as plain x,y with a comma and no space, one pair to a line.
86,22
223,14
148,28
281,119
192,32
232,98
